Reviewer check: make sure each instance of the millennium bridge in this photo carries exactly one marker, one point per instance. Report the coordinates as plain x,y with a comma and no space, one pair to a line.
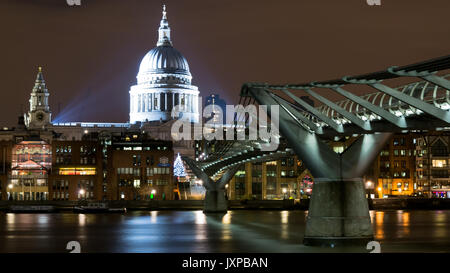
338,211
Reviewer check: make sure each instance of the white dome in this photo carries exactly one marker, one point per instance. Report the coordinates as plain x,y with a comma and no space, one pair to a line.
164,60
163,83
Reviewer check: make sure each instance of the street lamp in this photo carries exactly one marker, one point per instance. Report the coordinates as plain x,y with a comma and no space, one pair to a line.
81,192
152,195
284,193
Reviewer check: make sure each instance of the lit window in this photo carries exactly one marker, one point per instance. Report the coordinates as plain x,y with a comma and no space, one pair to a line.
77,171
137,183
439,163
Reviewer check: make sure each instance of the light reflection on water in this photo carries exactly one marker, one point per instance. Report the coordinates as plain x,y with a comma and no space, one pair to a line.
377,222
194,231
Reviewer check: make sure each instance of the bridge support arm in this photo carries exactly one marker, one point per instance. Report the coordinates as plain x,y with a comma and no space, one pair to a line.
208,183
316,155
215,200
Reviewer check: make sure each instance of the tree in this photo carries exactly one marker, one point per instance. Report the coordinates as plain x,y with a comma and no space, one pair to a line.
178,167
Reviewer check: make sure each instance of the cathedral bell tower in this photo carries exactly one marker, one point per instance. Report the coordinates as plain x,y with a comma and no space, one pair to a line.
39,115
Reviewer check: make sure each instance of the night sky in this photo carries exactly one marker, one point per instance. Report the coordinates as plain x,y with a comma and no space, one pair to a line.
90,54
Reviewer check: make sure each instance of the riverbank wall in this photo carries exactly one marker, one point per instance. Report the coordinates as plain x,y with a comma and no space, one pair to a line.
374,204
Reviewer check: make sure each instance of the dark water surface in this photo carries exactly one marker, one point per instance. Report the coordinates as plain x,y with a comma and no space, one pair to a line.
193,231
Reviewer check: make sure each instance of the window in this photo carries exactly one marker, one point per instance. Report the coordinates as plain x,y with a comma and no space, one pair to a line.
439,163
155,103
403,164
399,141
439,173
77,171
290,162
439,148
338,149
161,182
137,183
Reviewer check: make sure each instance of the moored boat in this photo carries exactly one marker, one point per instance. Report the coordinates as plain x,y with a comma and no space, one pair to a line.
97,207
29,208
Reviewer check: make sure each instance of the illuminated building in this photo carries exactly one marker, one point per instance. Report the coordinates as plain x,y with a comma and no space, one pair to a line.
433,169
140,169
39,115
163,81
285,178
77,171
393,172
30,167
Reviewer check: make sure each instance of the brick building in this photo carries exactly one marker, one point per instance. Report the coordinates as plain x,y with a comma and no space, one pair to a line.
140,169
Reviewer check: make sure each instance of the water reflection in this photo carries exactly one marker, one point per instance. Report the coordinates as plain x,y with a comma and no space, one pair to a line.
11,218
196,232
379,220
284,227
403,221
154,217
226,229
43,219
81,220
200,217
285,217
226,219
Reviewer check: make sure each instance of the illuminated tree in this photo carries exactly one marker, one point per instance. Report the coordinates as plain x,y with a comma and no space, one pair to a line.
178,167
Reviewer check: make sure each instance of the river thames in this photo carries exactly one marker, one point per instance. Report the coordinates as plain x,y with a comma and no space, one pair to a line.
239,231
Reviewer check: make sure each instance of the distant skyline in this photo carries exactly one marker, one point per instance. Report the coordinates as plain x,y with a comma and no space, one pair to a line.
90,54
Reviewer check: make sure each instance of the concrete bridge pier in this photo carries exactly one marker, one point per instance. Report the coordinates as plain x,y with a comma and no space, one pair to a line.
338,214
215,201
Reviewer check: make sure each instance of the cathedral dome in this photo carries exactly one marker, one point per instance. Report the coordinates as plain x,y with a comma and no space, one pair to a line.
164,84
164,59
